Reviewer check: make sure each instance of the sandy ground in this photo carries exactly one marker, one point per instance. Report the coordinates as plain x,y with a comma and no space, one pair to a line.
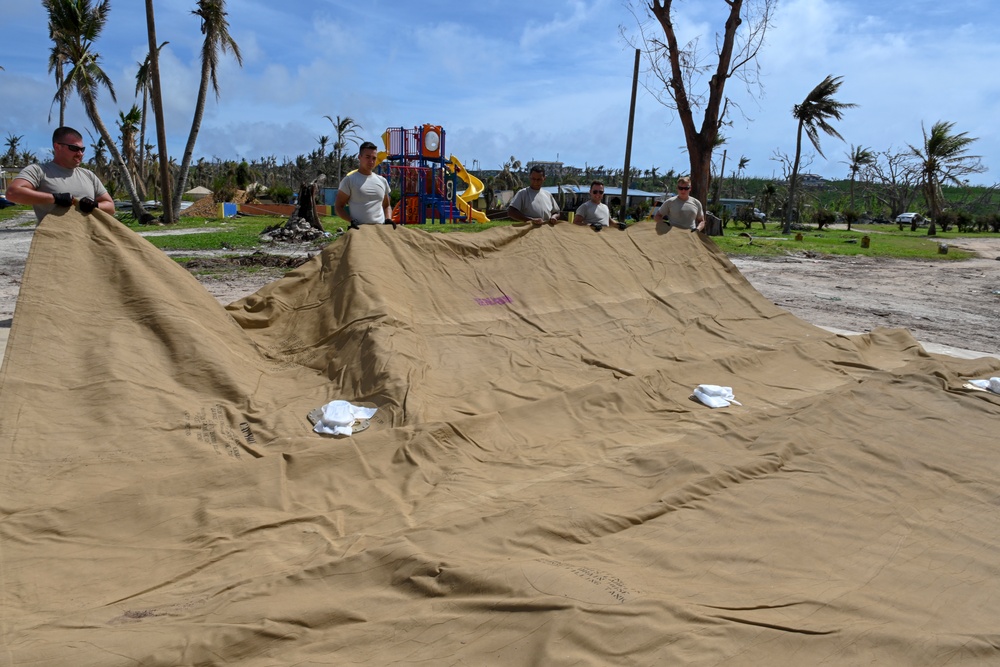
953,303
950,303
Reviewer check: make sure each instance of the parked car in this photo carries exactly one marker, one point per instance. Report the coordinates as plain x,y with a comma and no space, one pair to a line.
4,202
759,215
909,218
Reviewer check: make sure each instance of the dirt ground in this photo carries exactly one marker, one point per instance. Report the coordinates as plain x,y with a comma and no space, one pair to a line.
954,303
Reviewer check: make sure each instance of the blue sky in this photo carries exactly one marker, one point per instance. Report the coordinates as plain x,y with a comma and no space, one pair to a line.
536,80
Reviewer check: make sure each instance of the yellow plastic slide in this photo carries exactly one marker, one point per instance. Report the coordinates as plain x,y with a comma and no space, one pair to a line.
471,193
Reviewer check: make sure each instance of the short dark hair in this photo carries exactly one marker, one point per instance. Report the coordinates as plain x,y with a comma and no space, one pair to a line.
593,183
63,133
537,169
367,145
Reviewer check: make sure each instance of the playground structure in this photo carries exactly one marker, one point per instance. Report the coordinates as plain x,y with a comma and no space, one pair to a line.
428,182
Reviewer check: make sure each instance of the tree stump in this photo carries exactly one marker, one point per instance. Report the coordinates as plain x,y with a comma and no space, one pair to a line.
304,223
306,208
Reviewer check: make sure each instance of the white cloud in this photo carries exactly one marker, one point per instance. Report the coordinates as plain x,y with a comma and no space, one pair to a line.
525,78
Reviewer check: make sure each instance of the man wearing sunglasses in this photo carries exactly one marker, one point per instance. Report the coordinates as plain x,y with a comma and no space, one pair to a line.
682,210
594,212
61,182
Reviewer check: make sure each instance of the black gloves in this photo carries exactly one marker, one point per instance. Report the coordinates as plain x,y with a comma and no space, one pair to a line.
63,199
87,205
596,227
622,226
393,223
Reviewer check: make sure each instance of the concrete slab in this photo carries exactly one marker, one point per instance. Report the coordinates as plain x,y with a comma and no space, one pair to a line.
933,348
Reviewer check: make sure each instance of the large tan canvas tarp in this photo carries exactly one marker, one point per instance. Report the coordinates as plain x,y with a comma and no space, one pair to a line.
537,487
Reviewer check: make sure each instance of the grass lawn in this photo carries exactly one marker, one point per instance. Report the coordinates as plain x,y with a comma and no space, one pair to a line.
884,241
241,234
9,212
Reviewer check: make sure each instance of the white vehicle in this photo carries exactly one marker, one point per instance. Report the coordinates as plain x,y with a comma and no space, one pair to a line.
759,215
909,218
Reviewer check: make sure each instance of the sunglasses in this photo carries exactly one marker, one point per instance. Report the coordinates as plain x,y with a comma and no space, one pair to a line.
683,187
74,148
597,192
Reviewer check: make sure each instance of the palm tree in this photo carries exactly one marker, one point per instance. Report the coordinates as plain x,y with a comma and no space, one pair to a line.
56,61
215,27
857,159
943,159
741,165
345,129
150,176
814,114
98,160
13,143
322,140
156,97
75,25
144,87
507,178
128,123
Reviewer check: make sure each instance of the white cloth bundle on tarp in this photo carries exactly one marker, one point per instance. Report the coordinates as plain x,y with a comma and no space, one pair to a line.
339,416
993,384
715,396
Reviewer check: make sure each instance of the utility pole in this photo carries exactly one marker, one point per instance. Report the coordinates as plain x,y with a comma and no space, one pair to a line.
628,142
718,181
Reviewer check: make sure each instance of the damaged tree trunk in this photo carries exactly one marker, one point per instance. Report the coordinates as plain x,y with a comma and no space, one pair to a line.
306,209
304,223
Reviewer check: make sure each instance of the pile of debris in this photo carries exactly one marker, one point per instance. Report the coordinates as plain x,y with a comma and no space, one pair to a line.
258,258
203,208
294,230
206,206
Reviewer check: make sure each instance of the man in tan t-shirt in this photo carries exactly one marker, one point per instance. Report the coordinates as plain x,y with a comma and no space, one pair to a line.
61,182
682,210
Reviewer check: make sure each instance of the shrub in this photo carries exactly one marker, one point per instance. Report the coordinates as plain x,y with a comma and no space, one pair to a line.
224,188
965,221
280,194
824,216
946,220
